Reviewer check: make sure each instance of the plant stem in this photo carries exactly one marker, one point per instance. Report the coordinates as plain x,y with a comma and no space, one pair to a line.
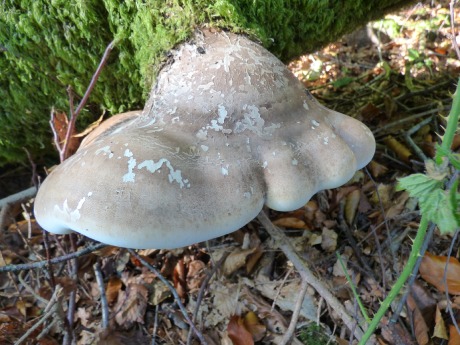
415,252
452,123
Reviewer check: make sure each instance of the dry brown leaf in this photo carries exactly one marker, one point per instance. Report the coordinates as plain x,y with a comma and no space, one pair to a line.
60,125
131,305
195,275
420,327
454,336
440,330
329,240
236,260
351,205
179,279
290,222
377,169
238,333
113,287
397,147
432,270
253,325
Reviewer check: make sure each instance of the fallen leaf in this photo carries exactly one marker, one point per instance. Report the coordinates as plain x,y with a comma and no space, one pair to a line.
329,240
432,270
440,330
253,325
238,333
290,223
236,260
420,327
377,169
397,147
195,275
131,305
351,205
113,287
454,338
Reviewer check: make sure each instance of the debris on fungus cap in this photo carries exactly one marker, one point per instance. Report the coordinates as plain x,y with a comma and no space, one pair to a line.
227,129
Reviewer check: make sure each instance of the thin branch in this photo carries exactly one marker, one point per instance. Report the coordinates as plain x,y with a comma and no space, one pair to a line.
18,197
104,303
284,244
295,315
202,290
444,279
173,291
74,114
41,264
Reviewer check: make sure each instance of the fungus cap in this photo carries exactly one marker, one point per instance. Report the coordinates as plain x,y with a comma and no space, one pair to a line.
227,129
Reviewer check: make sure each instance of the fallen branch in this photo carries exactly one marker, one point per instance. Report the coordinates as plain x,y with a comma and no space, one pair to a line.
41,264
307,275
18,197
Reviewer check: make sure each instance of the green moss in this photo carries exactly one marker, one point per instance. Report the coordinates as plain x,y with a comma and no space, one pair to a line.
47,45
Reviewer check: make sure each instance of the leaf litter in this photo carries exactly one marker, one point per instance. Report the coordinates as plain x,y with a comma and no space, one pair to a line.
253,290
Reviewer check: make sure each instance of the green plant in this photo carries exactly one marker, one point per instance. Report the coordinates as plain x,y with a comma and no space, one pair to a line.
438,200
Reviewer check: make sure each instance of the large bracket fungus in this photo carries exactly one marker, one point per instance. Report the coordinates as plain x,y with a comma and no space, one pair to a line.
226,130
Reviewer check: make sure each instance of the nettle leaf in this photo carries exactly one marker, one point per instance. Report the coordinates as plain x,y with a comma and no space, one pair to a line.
438,205
419,186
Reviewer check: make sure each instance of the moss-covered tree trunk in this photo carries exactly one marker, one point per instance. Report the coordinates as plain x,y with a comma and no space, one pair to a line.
47,45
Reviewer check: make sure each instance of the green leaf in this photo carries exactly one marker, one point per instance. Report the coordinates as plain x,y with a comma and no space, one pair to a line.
419,185
438,205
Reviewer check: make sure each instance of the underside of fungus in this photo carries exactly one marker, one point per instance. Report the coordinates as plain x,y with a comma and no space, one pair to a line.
227,129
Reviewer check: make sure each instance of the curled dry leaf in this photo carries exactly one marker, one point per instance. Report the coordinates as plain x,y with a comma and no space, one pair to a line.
238,333
351,205
195,275
398,148
440,330
236,260
420,327
290,222
432,270
113,287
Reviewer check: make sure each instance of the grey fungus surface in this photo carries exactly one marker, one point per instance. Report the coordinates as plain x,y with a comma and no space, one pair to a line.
227,129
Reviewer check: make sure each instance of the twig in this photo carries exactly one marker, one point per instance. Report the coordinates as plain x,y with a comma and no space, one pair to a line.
408,119
29,288
173,291
74,114
444,279
63,258
104,303
18,197
408,136
307,275
50,309
295,315
155,325
73,270
202,290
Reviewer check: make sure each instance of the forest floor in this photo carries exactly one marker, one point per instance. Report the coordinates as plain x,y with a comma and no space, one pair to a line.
397,75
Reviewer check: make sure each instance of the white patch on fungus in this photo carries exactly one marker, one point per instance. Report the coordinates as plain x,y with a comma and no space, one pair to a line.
74,215
305,105
326,140
175,175
130,175
105,151
205,148
295,162
224,170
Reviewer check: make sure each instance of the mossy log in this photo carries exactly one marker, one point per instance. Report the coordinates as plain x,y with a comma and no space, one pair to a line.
46,46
